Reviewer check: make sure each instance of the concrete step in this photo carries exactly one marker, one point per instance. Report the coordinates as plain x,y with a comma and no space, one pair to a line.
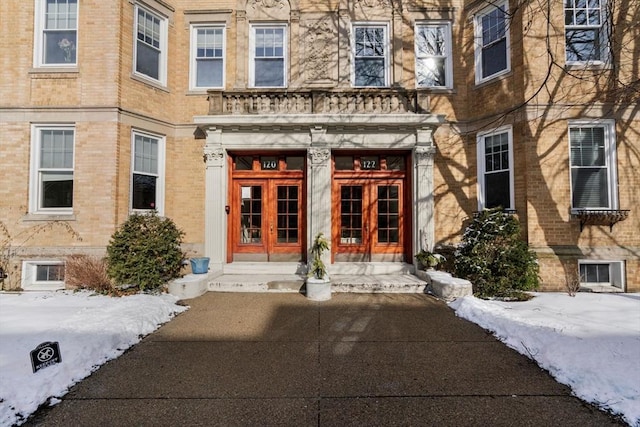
379,283
262,268
370,268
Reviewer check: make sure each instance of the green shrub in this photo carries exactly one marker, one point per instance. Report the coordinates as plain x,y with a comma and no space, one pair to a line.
145,252
494,258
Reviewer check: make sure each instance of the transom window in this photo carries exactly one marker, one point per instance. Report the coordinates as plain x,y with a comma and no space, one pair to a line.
207,66
593,172
147,178
56,32
495,169
150,46
52,170
585,32
433,55
370,56
492,45
268,56
269,163
370,163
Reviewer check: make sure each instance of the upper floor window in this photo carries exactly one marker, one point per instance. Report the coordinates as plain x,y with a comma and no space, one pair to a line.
585,31
56,37
593,165
151,45
147,180
370,56
495,169
492,42
207,56
268,62
433,55
52,165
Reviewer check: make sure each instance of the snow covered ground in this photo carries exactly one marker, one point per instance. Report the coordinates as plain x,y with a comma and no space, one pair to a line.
590,342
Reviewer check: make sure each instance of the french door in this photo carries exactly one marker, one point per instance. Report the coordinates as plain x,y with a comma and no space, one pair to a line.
370,224
266,220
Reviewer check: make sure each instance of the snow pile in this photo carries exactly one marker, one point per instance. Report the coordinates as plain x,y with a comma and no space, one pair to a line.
590,342
90,329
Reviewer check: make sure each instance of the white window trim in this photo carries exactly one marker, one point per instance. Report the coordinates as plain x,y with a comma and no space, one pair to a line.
616,270
160,183
387,51
252,49
164,45
29,282
478,42
611,153
35,186
193,69
605,49
38,37
448,52
480,154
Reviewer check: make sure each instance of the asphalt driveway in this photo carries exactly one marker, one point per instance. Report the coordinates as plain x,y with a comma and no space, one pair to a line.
263,359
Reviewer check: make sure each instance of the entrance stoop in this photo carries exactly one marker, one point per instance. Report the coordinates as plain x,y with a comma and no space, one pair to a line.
345,277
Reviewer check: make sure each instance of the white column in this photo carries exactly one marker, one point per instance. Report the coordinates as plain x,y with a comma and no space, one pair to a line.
423,154
318,189
215,217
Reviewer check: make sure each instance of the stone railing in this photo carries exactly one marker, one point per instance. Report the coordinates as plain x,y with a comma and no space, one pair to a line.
351,101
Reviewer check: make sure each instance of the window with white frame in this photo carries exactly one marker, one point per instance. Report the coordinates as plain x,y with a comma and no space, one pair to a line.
370,55
495,169
56,33
52,164
586,39
598,272
268,51
150,45
207,56
593,165
42,275
492,41
147,180
433,55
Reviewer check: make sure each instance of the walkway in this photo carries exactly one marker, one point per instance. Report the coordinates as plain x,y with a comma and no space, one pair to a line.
247,359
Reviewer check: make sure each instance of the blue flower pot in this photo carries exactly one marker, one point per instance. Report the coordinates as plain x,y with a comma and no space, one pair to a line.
199,265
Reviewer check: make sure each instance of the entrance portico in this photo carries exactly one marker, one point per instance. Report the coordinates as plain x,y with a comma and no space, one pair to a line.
274,181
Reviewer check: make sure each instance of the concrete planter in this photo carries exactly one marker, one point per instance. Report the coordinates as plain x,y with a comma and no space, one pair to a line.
318,289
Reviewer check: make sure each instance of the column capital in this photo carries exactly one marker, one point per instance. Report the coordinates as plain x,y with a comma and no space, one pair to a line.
213,156
424,154
319,156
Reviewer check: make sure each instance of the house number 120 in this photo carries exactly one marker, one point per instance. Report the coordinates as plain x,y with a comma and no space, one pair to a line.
269,164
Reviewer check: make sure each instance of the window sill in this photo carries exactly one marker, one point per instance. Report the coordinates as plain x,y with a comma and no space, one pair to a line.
587,66
149,82
493,79
203,91
437,90
49,217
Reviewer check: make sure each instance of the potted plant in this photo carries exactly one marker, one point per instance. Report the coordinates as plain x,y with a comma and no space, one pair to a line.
318,284
429,260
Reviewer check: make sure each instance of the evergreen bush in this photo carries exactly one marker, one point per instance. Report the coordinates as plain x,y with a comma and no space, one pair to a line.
494,258
145,252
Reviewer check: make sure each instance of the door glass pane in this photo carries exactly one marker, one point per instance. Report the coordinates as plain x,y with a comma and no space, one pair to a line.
295,163
287,221
388,214
351,214
344,163
251,214
395,163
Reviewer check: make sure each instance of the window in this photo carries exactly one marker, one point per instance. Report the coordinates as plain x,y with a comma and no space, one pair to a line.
56,36
370,56
597,272
433,55
268,56
207,56
150,45
593,161
51,189
147,182
495,169
585,31
492,42
42,275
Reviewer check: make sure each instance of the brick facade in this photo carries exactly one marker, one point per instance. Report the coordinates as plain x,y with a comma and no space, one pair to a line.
105,101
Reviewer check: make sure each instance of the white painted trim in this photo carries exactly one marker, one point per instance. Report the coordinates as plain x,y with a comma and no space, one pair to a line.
387,50
194,50
617,277
38,38
164,46
29,282
285,52
477,28
160,183
448,52
480,157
